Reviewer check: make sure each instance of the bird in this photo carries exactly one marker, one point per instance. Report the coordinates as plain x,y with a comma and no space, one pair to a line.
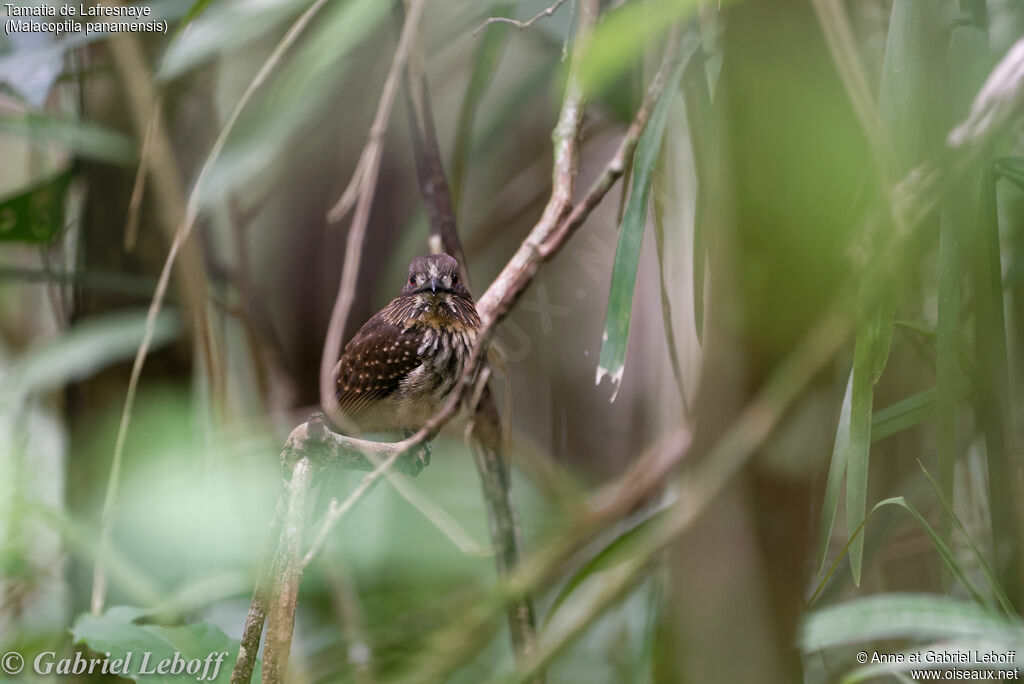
401,365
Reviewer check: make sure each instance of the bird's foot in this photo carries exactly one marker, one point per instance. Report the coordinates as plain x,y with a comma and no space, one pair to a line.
419,456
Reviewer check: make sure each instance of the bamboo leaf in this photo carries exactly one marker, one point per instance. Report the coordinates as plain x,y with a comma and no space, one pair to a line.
865,361
620,549
899,101
666,176
902,415
82,138
919,328
627,254
993,390
84,349
945,554
968,65
986,569
836,472
894,616
703,140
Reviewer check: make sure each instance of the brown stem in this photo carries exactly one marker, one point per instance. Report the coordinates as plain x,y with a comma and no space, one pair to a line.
253,630
287,573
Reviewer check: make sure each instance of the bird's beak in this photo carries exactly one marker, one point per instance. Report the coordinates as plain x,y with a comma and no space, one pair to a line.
434,285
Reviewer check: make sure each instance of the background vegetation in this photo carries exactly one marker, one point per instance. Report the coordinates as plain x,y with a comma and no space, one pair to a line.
804,298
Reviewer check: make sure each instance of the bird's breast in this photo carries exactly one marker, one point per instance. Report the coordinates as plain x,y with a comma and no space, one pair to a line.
443,353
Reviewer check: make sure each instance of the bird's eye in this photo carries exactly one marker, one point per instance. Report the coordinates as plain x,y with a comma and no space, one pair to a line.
412,280
455,279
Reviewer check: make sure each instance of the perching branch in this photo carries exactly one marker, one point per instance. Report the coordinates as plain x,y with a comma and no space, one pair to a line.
287,572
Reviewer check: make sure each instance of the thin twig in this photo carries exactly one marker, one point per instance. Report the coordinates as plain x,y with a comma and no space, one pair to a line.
521,24
131,231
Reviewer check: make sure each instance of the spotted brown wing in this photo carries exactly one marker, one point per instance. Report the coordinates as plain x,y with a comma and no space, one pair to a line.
374,363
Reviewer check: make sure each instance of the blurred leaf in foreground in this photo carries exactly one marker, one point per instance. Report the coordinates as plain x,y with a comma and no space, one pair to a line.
84,349
85,139
198,645
895,616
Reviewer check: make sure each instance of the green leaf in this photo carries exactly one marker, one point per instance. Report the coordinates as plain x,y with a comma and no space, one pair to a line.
947,555
903,415
199,645
904,81
620,549
993,390
836,472
704,142
986,569
627,254
898,103
36,215
859,445
968,67
915,327
83,139
667,176
896,616
944,552
84,349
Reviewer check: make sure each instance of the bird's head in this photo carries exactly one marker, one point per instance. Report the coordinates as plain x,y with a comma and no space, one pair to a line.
436,293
